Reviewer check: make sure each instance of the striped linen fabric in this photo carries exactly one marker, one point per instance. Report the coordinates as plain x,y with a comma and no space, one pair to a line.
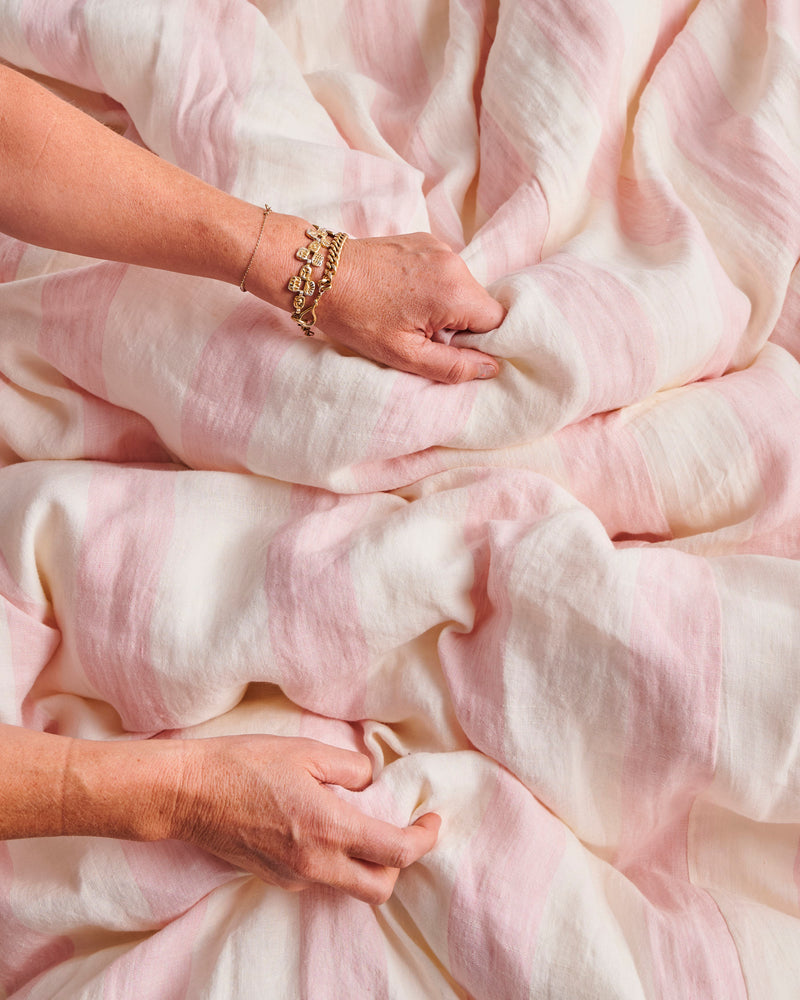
561,609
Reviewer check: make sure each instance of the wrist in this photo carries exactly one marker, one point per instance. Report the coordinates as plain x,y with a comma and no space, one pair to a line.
273,260
125,789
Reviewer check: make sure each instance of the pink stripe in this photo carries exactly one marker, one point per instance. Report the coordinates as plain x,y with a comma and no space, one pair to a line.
769,413
317,641
501,889
74,313
416,412
444,215
328,918
24,953
675,677
75,308
686,948
11,253
214,78
785,14
8,456
399,69
651,214
674,15
39,610
514,236
592,301
378,196
485,18
787,330
161,966
172,876
111,434
32,646
735,309
229,387
445,218
56,34
503,170
329,922
335,732
33,638
127,530
738,156
502,505
631,507
389,473
796,873
586,36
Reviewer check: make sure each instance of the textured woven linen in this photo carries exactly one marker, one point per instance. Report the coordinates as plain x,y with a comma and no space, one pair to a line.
562,609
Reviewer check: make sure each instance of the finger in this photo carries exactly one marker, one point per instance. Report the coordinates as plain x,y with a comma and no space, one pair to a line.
391,846
273,878
374,882
443,362
484,314
370,883
334,766
431,822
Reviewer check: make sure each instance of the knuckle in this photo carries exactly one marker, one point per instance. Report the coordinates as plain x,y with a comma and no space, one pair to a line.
453,268
306,865
298,857
386,885
297,863
313,870
455,373
446,252
380,891
405,856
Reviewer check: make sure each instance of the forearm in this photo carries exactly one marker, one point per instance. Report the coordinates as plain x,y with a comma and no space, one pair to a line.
69,183
263,803
53,785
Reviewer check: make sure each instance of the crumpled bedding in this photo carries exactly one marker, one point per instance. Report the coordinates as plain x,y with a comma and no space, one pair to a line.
561,608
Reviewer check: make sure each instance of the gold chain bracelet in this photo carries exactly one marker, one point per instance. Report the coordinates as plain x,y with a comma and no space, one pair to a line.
304,286
267,210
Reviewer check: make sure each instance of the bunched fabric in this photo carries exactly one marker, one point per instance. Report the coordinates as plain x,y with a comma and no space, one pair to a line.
561,608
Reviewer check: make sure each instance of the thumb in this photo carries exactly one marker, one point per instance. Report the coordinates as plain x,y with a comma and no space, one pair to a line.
420,837
443,362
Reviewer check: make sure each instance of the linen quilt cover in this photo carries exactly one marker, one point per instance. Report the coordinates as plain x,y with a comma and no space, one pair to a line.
561,608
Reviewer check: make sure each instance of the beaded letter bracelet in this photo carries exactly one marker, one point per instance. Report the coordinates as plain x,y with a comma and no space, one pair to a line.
307,291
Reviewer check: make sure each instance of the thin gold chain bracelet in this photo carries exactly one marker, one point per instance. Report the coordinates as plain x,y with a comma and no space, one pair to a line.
267,210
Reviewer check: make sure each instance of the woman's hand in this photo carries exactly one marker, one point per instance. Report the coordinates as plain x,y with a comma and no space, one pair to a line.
391,298
392,294
69,183
262,803
259,802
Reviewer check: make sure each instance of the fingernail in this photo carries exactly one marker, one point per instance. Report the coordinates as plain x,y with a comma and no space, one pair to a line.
487,371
